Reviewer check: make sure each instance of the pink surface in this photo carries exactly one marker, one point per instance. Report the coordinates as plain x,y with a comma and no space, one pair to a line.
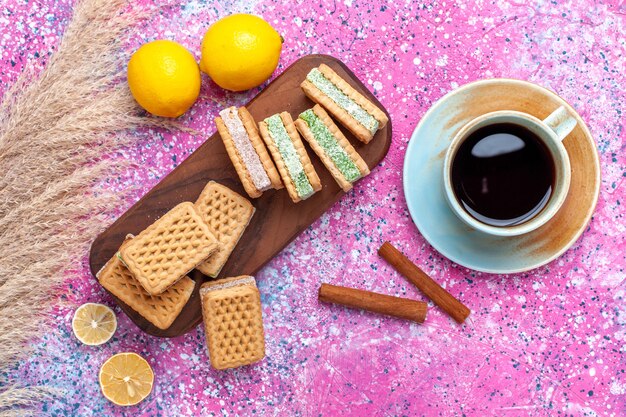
548,342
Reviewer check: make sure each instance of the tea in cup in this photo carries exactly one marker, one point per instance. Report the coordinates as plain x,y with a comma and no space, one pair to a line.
507,173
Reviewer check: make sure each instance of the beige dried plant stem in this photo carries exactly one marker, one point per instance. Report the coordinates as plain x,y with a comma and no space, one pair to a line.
54,131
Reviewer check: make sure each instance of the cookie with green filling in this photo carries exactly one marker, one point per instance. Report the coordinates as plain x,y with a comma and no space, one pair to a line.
331,146
358,114
293,163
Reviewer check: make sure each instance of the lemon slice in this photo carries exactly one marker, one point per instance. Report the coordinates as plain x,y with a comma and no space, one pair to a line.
126,379
94,324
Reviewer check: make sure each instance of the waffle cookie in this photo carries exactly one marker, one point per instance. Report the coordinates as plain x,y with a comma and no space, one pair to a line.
247,152
227,214
359,115
332,147
231,309
168,249
294,165
160,310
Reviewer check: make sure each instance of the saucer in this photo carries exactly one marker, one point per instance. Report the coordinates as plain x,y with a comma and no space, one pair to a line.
423,180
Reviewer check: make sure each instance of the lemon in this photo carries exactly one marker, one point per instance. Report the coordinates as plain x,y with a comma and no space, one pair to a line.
164,78
240,51
94,324
126,378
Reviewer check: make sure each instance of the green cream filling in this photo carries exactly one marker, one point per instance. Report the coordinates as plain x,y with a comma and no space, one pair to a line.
119,256
331,147
290,156
342,100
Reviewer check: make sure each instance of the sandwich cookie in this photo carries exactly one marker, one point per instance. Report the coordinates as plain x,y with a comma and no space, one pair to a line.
168,249
227,214
233,322
246,151
331,146
292,161
359,115
160,310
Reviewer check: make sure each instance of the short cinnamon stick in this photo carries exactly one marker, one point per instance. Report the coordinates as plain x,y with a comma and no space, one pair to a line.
371,301
455,309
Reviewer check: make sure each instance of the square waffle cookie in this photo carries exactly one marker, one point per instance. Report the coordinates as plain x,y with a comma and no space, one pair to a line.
233,323
227,214
160,310
169,248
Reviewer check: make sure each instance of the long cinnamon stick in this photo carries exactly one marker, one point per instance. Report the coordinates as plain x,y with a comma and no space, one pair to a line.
455,309
371,301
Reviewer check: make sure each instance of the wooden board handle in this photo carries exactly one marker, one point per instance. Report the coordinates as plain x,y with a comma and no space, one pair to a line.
378,303
457,310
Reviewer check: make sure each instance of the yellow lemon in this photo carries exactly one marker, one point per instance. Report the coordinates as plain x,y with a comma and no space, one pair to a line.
164,78
126,379
240,51
94,324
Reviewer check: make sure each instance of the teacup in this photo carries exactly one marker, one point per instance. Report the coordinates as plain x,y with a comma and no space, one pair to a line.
507,173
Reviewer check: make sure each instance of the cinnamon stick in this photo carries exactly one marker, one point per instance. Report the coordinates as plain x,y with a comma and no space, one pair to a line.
455,309
378,303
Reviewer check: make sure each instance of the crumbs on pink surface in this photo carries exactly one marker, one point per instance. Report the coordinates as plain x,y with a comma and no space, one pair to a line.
548,342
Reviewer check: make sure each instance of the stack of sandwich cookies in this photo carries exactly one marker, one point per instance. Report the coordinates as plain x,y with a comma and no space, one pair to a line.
332,147
227,214
246,151
160,310
282,139
168,249
348,106
231,309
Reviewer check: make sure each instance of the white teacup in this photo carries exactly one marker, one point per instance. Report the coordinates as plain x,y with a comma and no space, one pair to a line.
551,132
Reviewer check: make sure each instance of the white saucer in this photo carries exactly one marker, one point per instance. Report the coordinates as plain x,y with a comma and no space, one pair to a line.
423,187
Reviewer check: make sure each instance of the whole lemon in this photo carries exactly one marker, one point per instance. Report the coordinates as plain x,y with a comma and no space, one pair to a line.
240,51
164,78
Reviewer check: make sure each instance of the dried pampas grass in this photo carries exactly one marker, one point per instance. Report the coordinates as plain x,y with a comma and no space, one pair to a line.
15,402
55,133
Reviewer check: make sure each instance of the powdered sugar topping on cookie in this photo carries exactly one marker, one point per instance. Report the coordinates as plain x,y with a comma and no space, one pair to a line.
249,157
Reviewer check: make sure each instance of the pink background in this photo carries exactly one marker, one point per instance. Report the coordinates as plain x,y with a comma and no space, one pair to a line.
548,342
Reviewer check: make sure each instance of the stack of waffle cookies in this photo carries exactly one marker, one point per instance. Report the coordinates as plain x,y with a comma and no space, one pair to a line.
290,167
149,272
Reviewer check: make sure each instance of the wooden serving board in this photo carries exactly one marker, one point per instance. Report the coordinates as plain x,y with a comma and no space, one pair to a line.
277,220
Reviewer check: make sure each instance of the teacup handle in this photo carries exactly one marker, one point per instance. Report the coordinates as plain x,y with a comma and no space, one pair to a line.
561,121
